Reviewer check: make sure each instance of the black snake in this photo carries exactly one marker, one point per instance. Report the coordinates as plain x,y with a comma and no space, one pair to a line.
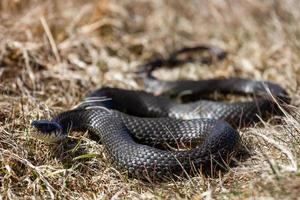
140,130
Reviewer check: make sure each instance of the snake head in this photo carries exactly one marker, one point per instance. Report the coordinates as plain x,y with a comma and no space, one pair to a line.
48,131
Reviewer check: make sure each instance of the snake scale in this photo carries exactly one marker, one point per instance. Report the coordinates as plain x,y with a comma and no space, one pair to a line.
154,135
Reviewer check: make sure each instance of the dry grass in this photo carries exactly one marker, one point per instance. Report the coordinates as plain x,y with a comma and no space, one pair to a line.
53,52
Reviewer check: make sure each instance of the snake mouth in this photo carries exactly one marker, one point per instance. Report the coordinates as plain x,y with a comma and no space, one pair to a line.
48,131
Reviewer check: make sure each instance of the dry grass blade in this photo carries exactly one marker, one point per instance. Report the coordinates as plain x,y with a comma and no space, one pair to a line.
50,38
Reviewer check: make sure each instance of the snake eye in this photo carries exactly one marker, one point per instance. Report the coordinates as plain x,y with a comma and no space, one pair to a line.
45,126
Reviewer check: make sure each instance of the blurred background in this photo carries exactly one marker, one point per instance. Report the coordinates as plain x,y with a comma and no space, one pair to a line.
96,37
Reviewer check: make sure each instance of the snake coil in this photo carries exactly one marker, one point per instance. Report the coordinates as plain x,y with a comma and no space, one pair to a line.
140,130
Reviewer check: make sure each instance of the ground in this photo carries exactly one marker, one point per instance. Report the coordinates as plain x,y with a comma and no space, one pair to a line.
53,52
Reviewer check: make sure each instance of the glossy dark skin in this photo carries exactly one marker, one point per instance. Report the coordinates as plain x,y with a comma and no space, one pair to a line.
137,128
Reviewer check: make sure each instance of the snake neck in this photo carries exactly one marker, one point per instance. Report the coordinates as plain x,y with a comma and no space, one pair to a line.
78,119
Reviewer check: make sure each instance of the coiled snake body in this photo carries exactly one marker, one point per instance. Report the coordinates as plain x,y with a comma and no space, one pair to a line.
140,130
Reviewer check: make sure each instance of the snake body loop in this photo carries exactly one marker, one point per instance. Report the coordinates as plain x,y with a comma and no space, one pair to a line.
140,130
